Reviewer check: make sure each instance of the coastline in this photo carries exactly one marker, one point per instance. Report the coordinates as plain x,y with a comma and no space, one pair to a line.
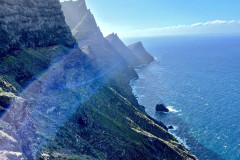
179,139
143,89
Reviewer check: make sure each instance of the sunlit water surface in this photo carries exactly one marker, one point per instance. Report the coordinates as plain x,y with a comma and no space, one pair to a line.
198,78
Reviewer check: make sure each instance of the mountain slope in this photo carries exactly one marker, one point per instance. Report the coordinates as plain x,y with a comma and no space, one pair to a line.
76,104
111,125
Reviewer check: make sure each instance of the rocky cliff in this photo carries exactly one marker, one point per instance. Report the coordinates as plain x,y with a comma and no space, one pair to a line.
139,51
90,37
115,41
76,10
134,57
77,104
35,23
17,130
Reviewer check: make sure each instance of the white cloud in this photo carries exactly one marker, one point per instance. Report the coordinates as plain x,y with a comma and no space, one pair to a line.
216,22
210,27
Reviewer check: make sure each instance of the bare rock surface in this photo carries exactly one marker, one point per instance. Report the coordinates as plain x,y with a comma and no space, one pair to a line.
35,23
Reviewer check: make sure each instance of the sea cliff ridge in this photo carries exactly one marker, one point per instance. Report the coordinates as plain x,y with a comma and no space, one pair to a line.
72,100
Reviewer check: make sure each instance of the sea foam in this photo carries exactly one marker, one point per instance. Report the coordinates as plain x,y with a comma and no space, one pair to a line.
171,109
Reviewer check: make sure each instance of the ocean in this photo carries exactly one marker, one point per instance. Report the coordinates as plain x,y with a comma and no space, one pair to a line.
198,78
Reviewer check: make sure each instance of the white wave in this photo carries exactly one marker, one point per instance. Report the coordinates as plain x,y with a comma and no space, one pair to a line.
182,141
171,109
140,96
140,66
174,128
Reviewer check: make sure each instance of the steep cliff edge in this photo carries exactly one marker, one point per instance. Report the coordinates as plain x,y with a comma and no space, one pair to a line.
111,124
76,10
90,37
115,41
134,57
35,23
72,110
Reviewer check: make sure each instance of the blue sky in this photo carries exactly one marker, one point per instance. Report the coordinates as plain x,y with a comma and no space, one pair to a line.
166,17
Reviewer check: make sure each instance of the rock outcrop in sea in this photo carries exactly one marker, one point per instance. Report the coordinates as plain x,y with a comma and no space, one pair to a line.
161,108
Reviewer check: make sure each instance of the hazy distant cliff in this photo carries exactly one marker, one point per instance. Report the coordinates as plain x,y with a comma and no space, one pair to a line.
35,23
135,55
139,51
89,35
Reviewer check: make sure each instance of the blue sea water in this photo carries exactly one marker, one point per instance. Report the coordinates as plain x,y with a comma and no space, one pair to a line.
198,78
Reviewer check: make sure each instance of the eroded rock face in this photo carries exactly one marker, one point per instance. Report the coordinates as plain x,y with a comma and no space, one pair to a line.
139,51
35,23
76,10
18,133
90,37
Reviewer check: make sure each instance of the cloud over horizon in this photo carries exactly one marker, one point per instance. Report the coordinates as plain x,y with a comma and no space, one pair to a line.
210,27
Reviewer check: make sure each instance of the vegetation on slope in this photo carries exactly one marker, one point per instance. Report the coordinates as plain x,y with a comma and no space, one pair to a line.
24,67
109,126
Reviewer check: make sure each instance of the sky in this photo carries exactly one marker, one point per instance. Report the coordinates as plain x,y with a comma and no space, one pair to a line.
140,18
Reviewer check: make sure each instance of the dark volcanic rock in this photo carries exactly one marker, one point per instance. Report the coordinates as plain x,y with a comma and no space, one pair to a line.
6,99
170,127
161,108
35,23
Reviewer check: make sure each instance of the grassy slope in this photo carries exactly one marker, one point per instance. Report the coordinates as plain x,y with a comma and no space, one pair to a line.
109,125
22,68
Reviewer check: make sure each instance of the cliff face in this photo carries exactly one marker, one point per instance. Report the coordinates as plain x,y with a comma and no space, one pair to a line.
115,41
35,23
111,124
15,125
76,10
89,35
140,53
73,110
134,57
86,26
